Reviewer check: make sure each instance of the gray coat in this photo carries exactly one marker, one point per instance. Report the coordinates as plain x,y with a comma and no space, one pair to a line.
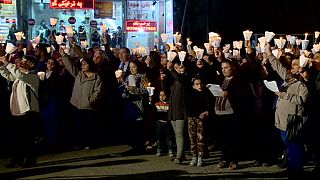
177,109
296,96
86,90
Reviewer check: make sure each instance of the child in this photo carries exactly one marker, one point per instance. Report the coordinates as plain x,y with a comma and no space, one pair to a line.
163,127
198,106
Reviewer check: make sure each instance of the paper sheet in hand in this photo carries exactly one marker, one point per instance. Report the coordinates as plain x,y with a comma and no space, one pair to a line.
215,89
271,85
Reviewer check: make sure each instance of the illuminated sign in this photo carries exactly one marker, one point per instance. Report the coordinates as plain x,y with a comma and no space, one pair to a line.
6,1
141,25
72,4
11,20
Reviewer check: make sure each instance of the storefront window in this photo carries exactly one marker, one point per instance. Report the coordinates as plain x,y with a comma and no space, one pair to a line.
147,14
110,14
8,17
141,12
107,12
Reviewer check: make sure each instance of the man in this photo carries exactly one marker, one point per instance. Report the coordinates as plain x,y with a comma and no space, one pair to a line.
24,107
108,107
124,57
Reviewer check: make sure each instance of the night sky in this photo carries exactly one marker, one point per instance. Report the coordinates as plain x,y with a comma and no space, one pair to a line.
230,17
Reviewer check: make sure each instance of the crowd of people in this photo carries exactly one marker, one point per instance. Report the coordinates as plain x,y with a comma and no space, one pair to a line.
88,97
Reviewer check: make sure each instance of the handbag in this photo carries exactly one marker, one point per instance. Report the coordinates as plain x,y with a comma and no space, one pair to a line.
297,128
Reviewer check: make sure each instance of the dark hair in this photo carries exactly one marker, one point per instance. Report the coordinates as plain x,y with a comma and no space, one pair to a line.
90,63
138,64
2,52
286,62
56,64
196,78
155,59
31,59
234,65
127,49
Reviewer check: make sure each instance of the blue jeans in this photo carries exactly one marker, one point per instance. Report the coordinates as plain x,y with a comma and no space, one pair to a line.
295,154
164,132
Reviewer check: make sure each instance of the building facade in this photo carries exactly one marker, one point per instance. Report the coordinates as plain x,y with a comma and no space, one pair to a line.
128,22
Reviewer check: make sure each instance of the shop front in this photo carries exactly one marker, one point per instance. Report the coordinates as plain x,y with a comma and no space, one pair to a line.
146,21
129,23
85,19
8,19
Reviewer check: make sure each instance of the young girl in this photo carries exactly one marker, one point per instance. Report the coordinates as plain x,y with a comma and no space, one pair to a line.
163,128
198,106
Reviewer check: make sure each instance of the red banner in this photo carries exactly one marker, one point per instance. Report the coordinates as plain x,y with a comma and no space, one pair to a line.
6,1
72,4
141,25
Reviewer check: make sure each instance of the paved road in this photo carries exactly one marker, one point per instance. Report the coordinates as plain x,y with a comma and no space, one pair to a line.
109,163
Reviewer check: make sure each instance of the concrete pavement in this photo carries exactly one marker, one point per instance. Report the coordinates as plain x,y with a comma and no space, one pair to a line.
109,163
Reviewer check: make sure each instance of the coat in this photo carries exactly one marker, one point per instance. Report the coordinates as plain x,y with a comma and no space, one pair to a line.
177,109
295,97
27,98
86,91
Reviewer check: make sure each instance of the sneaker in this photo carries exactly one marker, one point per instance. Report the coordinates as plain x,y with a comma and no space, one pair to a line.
257,163
177,161
158,153
171,154
223,164
193,161
30,162
200,162
14,163
233,166
283,164
29,165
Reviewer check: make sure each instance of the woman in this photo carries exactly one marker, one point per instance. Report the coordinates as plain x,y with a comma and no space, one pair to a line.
134,96
85,97
231,109
293,98
177,112
50,99
153,75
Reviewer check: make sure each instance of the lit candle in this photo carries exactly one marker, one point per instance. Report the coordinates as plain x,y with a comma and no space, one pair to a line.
305,36
149,84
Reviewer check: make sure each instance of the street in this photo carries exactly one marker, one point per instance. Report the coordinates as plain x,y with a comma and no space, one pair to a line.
109,163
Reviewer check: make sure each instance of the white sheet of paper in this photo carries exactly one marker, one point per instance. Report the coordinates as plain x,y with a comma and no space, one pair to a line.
271,85
215,89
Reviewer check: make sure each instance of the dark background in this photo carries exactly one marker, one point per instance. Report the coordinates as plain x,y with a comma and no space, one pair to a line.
230,17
